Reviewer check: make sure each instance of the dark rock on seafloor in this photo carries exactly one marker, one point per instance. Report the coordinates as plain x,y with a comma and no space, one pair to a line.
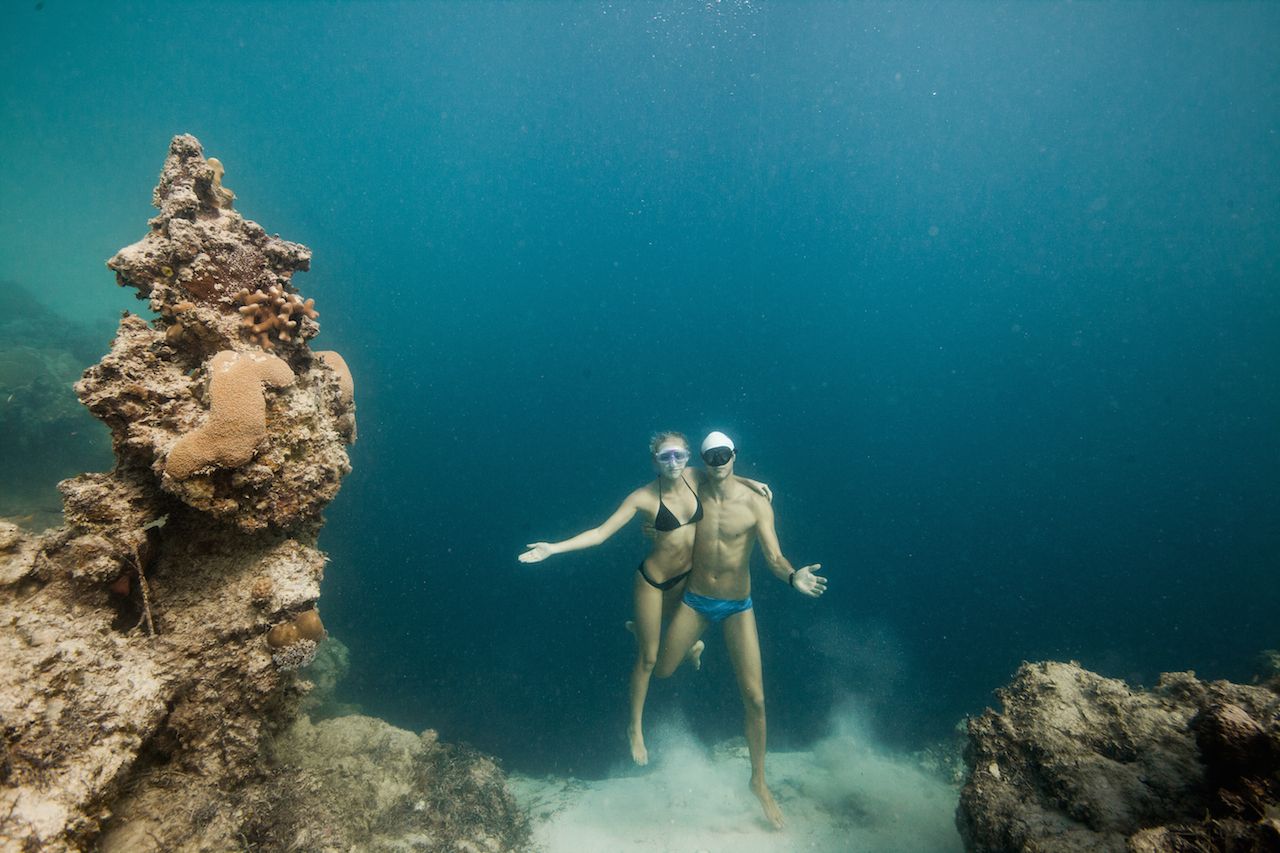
1078,762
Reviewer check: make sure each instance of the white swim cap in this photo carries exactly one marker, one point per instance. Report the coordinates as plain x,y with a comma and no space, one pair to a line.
717,439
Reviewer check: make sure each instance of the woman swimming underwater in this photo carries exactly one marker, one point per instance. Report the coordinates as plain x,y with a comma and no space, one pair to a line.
670,505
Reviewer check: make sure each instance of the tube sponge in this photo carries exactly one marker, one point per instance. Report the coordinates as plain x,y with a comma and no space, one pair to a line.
238,417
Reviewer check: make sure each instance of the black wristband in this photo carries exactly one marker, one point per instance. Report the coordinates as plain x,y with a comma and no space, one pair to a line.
791,581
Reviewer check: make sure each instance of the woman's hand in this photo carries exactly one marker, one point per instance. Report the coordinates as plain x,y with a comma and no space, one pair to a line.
759,488
807,583
538,551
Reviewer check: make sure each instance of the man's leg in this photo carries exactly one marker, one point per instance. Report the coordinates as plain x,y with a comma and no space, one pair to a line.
744,651
686,627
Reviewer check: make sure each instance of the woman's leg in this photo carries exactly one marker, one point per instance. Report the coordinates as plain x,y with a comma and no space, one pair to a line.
682,633
670,601
647,626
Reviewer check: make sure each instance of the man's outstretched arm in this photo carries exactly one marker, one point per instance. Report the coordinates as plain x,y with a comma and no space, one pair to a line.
803,580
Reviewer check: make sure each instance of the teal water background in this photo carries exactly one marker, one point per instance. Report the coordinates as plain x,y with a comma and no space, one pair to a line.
987,292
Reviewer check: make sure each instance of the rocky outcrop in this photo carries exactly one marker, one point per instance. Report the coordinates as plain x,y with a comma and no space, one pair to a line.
136,683
151,644
236,419
1078,762
358,783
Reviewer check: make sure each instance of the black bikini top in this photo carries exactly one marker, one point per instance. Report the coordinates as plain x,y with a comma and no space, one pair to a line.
665,521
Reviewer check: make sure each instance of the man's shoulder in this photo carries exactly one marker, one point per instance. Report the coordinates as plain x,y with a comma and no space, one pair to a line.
754,500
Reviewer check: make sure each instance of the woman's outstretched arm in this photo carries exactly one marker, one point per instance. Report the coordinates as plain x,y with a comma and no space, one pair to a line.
539,551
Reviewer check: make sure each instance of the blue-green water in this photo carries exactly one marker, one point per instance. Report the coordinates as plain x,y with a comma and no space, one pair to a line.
985,291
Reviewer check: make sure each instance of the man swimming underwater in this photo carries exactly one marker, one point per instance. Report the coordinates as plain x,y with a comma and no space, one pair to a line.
719,590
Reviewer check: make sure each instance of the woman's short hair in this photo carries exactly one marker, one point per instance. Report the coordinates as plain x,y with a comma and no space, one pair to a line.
660,438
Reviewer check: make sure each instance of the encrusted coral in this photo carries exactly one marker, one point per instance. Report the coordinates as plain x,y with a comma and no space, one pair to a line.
202,259
260,592
296,639
238,417
295,655
339,365
273,314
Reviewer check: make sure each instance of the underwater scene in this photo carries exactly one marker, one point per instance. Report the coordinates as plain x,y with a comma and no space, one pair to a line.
622,426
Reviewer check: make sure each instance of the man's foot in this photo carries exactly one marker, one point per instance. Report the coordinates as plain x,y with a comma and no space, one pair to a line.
639,754
771,811
695,654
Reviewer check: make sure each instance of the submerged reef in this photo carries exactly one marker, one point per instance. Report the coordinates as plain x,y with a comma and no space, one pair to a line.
150,646
1078,762
48,434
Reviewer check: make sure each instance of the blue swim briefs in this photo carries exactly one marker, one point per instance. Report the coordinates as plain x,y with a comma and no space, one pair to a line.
716,609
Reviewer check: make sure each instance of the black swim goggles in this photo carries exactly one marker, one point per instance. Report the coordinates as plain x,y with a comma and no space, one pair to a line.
717,456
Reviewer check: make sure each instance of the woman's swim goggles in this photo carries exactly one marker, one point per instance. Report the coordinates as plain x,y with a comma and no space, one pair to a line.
717,456
672,456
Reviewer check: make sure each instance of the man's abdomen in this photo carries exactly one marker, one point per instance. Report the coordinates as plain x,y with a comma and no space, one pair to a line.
729,583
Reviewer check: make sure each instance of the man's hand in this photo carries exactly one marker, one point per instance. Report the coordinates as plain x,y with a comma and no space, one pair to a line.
538,551
807,583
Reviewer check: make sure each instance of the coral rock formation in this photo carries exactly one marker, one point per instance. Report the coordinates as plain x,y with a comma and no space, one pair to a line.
202,253
1078,762
135,686
186,398
148,647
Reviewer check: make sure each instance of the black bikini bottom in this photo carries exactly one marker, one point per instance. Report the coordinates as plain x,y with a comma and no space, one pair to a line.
666,584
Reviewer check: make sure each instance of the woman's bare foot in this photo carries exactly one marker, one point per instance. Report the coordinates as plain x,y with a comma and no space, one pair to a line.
639,754
771,811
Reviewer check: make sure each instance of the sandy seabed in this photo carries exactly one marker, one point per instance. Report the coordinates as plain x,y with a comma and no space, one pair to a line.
841,796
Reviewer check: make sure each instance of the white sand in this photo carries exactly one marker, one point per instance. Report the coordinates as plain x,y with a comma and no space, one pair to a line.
841,796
